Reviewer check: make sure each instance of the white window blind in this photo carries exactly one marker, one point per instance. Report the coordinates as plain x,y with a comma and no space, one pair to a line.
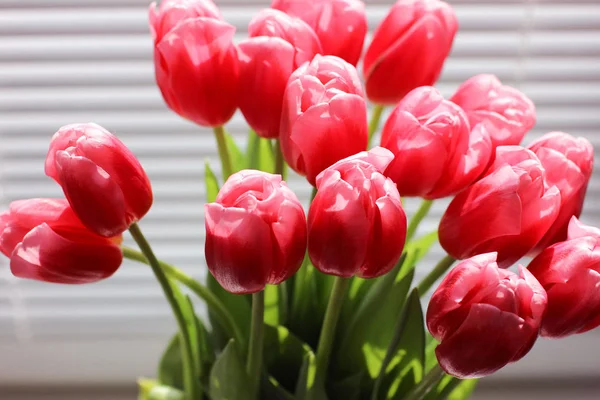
65,61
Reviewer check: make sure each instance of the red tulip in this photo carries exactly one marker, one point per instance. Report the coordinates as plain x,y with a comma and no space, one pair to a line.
508,211
279,44
170,13
356,224
103,181
341,25
507,113
299,34
485,317
436,153
197,69
568,162
255,232
408,49
577,230
45,241
324,117
570,273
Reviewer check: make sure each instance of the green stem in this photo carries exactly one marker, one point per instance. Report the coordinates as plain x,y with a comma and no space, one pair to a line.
253,148
223,152
279,161
436,273
415,221
255,351
313,194
375,118
338,293
431,379
191,384
213,303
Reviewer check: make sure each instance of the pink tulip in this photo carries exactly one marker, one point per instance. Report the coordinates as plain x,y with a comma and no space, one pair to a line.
568,162
485,317
45,241
570,273
197,71
103,181
436,152
508,211
255,232
170,13
507,113
324,117
356,224
341,25
408,49
577,229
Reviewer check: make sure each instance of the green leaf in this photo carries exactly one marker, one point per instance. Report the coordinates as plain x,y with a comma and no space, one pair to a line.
407,367
430,345
238,159
152,390
464,389
272,305
304,319
271,389
348,388
170,368
228,379
260,153
212,184
306,379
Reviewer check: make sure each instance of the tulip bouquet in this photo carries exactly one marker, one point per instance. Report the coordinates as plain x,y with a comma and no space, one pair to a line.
322,305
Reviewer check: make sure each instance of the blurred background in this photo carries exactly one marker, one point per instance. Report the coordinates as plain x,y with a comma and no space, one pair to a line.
65,61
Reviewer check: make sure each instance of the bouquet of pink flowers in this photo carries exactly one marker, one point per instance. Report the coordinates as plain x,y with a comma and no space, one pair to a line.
343,317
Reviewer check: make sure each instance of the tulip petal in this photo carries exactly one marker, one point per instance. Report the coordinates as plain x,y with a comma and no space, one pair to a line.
44,255
93,194
577,229
235,246
289,233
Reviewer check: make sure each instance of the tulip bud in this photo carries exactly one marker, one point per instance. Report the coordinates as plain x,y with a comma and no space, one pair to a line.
506,112
577,230
408,49
356,224
436,153
324,117
197,71
508,211
169,13
45,241
570,273
568,162
485,317
341,25
103,181
279,44
255,232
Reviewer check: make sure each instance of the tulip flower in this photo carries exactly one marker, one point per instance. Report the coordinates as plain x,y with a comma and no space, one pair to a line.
103,181
408,49
436,152
508,211
197,71
570,273
255,232
341,25
507,113
356,224
577,229
45,241
485,317
279,44
568,162
324,117
164,17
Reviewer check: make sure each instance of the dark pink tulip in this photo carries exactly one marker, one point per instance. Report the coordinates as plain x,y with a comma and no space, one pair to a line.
570,273
577,229
45,241
255,232
507,113
508,211
356,224
568,162
436,153
324,117
408,49
197,71
102,179
341,25
170,13
485,317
